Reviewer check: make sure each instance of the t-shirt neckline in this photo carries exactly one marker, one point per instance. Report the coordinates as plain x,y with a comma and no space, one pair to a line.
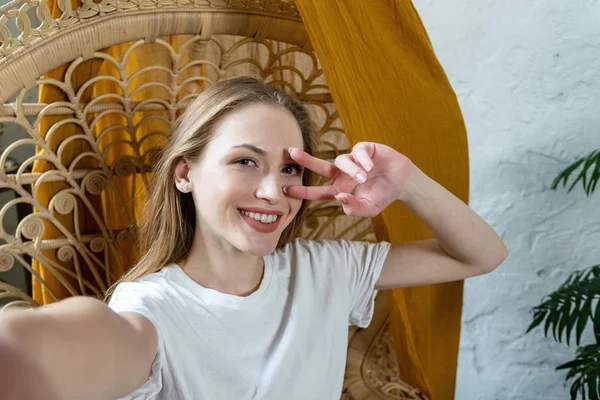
213,297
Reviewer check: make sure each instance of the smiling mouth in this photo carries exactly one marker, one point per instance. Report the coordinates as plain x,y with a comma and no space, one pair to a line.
264,218
255,221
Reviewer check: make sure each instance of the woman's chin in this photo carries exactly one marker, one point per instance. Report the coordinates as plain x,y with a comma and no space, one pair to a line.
260,248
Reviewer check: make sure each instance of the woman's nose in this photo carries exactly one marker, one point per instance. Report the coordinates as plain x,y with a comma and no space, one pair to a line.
270,188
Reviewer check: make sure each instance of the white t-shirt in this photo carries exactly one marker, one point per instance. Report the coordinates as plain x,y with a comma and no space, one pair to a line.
287,340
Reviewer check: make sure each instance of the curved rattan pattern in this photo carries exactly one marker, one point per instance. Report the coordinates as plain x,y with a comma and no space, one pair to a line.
45,43
222,38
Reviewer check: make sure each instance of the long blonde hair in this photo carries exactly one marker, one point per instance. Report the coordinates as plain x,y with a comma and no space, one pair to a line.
169,218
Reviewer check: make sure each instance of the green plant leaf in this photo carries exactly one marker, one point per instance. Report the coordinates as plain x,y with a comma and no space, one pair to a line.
567,310
564,320
584,372
594,179
591,165
584,315
551,322
571,364
538,318
596,320
592,387
575,387
572,319
564,175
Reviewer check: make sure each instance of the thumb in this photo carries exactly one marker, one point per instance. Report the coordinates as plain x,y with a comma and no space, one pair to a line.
351,205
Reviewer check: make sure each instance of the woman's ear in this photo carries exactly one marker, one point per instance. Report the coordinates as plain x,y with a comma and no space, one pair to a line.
182,172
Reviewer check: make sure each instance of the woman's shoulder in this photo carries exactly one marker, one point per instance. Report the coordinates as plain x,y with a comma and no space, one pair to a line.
321,245
307,245
327,250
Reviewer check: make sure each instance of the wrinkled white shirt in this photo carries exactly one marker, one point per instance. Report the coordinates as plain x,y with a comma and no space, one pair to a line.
287,340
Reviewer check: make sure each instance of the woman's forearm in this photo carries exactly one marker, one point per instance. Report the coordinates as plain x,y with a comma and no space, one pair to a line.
461,233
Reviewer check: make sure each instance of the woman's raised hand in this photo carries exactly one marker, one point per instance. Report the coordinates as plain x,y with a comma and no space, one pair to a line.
365,181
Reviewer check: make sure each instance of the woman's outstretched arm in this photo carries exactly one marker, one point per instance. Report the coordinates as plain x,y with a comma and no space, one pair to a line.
75,349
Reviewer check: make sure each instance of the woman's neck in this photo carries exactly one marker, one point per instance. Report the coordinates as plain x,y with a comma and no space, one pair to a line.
221,267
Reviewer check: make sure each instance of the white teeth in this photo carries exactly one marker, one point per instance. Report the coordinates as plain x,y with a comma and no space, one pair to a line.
264,218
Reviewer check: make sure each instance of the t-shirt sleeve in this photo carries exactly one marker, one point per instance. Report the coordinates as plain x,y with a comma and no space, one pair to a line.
135,297
364,261
360,263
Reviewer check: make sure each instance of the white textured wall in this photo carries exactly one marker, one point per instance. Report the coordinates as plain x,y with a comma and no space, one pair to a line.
527,75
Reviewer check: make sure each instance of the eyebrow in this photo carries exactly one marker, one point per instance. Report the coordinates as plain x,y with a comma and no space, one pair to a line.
251,148
257,150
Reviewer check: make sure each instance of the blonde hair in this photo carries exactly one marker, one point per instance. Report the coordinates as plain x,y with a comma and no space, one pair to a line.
169,218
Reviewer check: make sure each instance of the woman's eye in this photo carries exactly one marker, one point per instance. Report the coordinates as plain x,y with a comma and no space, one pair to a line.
292,169
246,162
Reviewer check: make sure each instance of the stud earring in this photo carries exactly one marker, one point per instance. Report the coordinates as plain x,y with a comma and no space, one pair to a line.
184,188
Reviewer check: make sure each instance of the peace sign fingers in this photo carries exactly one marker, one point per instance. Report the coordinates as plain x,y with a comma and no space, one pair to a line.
311,192
317,165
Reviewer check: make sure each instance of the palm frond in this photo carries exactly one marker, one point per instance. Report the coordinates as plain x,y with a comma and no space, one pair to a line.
591,164
584,373
570,307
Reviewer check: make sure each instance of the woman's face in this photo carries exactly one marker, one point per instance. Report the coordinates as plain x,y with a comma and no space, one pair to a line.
238,182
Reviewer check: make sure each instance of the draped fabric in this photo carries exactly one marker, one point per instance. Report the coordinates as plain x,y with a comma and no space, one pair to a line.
389,87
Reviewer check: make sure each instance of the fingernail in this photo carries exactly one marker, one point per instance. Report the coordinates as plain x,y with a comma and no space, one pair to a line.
361,177
290,150
341,200
369,167
284,189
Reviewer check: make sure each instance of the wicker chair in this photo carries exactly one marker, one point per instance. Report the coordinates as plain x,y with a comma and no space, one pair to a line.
72,239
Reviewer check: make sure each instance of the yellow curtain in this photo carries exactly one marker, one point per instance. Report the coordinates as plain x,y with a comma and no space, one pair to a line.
389,87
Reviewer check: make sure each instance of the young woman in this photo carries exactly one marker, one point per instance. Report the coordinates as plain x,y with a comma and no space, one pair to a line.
226,303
